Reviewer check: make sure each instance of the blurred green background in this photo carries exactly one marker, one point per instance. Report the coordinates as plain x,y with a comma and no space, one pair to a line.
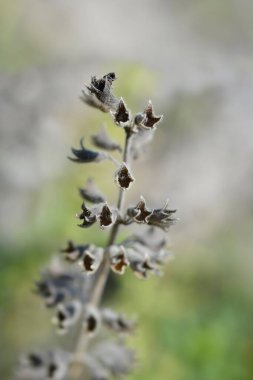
194,59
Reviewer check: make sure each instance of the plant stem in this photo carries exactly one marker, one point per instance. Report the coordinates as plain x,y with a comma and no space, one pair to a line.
105,267
104,270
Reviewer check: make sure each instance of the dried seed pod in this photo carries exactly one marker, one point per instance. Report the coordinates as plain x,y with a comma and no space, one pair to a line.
118,259
55,287
52,295
32,366
139,213
57,367
104,141
162,218
87,216
74,252
99,93
107,216
84,155
114,357
151,238
150,120
91,259
123,177
145,258
67,315
122,115
91,319
116,322
141,264
96,370
40,366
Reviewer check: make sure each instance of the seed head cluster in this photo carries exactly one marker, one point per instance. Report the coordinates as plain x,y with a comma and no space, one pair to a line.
72,286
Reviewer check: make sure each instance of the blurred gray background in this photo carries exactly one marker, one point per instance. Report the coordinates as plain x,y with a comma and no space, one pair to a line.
194,59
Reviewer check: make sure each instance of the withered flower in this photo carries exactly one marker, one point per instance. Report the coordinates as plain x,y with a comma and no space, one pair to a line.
140,263
91,259
122,115
107,216
139,213
52,295
151,238
57,365
118,259
91,319
96,370
90,192
99,95
84,155
146,256
55,287
74,252
67,315
114,357
116,322
123,177
87,216
104,141
43,366
31,367
162,218
150,120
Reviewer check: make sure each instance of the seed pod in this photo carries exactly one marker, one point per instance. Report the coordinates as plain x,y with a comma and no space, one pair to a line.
91,259
123,177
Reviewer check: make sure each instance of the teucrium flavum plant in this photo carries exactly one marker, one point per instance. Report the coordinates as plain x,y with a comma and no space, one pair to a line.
73,286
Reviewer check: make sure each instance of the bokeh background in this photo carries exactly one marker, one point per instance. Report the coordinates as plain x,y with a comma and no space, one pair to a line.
194,59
